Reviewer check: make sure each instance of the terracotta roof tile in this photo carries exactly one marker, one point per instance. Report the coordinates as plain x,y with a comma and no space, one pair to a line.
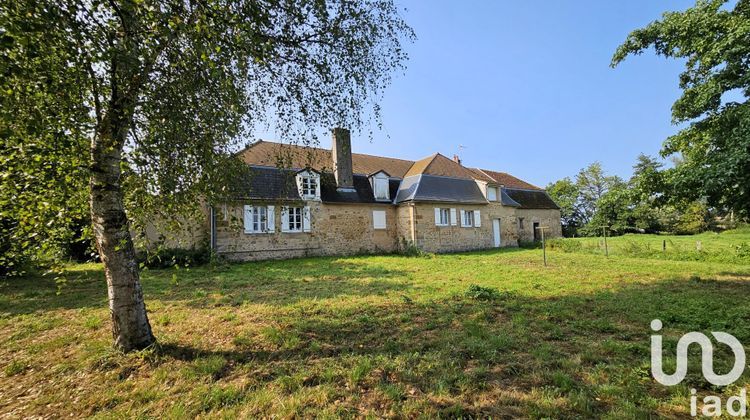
281,155
508,180
440,165
478,174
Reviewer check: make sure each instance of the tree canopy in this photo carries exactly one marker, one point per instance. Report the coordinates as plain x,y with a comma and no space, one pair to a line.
136,105
714,40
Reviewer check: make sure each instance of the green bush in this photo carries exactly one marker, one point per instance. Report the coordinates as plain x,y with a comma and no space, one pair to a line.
169,257
410,249
693,220
481,293
529,244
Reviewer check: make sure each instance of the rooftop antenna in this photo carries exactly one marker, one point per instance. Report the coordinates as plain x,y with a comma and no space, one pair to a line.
456,157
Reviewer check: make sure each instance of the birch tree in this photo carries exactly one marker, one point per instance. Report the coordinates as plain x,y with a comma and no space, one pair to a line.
116,102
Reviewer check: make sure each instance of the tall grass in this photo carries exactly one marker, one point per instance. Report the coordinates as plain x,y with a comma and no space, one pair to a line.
727,247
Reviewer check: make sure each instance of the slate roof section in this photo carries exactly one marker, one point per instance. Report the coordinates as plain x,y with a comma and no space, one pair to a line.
531,199
264,153
362,190
440,189
266,183
506,200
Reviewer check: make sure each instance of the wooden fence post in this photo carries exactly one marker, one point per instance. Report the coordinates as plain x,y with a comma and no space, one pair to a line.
606,248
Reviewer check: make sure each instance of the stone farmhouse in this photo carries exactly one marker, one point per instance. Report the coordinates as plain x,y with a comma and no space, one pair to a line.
303,201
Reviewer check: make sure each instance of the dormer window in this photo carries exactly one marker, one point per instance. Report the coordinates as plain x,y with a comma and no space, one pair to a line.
380,186
491,193
308,183
309,186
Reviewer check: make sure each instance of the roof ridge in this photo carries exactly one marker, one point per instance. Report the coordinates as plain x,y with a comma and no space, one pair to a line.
432,158
485,174
323,149
535,187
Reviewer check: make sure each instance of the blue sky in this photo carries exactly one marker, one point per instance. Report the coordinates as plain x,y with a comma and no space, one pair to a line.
526,87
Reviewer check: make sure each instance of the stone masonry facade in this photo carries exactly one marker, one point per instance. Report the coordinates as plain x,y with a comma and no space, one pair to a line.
335,202
347,229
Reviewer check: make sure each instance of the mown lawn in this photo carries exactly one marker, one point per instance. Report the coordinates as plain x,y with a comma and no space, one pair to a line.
383,336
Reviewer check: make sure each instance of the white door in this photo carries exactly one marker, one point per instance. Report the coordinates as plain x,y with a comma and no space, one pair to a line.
496,231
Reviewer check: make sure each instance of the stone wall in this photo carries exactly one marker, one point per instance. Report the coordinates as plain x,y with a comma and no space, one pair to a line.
186,232
336,229
346,229
508,223
549,218
432,238
404,226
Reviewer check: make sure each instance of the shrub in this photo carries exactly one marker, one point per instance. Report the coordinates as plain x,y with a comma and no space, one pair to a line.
410,249
529,244
169,257
481,293
694,220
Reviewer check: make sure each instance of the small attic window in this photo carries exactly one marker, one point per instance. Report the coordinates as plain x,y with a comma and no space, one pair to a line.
491,193
308,183
380,186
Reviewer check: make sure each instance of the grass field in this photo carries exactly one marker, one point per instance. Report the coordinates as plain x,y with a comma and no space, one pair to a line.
382,336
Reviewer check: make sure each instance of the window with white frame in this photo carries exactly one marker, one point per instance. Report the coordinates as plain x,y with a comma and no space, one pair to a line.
259,219
468,219
471,218
378,219
309,186
380,186
295,219
491,193
308,183
442,217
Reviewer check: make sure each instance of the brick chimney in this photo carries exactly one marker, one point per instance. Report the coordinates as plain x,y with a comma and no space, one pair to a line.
341,152
456,159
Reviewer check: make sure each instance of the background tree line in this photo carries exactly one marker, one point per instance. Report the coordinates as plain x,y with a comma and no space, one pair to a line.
648,202
711,175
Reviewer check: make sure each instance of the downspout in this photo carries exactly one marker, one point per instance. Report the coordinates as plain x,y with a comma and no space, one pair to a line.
212,229
413,211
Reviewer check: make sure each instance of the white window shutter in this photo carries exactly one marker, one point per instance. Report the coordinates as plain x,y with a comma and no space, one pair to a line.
306,219
285,219
299,185
437,216
454,220
463,218
270,211
378,219
248,218
317,186
477,218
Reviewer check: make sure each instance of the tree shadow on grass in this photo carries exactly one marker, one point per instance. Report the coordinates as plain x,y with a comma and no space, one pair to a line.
572,347
272,283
